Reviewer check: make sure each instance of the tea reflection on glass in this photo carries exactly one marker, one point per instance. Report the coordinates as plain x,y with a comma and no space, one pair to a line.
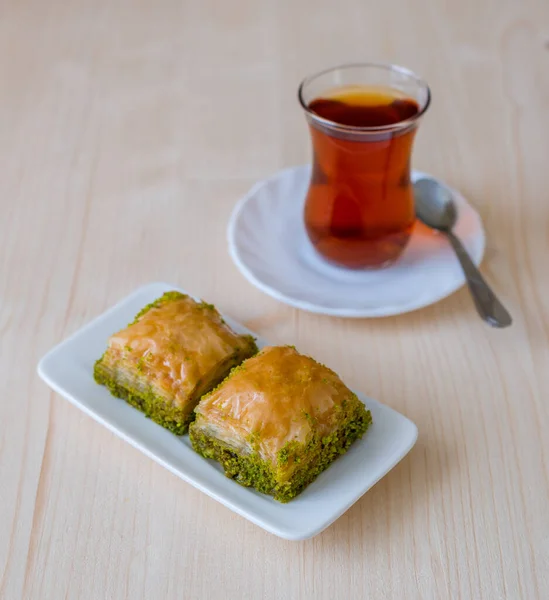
359,209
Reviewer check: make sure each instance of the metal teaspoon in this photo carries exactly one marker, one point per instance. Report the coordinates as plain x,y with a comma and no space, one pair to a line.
436,208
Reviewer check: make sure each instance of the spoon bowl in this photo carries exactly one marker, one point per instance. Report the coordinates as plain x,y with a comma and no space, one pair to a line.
434,204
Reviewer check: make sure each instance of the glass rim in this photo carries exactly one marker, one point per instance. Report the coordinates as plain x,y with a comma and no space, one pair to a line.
366,129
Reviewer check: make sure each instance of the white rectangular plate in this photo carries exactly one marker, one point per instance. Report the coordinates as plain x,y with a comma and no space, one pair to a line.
68,369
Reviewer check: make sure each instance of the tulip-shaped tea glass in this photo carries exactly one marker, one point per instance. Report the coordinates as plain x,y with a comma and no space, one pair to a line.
359,209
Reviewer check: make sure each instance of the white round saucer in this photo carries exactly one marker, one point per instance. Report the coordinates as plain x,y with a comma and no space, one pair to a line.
269,244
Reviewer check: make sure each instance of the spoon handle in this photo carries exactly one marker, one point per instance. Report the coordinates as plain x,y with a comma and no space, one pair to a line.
488,306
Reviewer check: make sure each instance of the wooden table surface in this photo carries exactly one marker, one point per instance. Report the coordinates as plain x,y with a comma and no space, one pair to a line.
128,131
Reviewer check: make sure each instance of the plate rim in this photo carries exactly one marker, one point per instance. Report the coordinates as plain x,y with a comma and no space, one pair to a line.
281,530
354,313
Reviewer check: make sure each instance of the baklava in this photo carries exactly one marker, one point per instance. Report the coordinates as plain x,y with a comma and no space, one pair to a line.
277,421
175,351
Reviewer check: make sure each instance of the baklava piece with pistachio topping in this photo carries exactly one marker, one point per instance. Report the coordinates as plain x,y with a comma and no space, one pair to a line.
175,351
278,421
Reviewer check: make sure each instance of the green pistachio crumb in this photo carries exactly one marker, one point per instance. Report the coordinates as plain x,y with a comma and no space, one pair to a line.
167,297
207,305
306,461
170,416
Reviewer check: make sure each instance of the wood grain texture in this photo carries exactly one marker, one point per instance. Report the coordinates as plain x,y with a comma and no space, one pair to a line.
128,130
